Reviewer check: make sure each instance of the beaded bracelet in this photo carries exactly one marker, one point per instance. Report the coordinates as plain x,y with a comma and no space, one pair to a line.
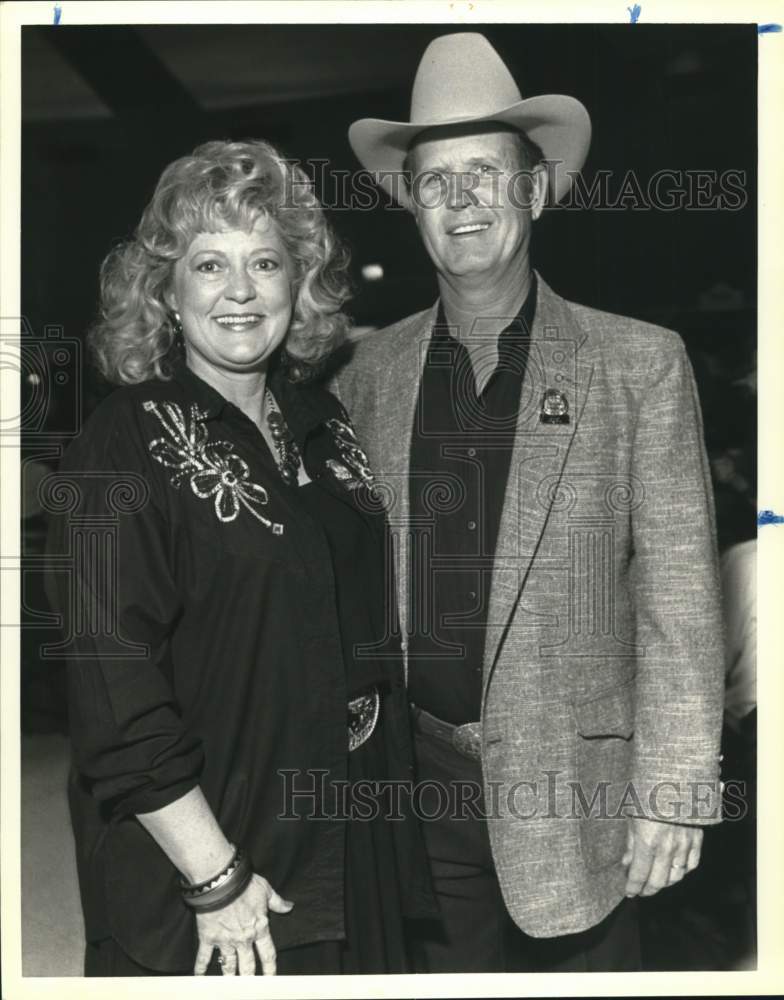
221,889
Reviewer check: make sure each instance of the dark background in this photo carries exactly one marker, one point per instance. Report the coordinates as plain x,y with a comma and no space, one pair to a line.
104,109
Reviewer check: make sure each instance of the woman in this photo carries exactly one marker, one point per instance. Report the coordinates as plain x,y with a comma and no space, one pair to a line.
242,668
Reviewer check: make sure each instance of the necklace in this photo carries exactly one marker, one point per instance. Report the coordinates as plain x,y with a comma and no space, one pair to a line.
285,445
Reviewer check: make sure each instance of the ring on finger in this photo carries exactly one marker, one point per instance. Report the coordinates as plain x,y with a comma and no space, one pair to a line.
678,864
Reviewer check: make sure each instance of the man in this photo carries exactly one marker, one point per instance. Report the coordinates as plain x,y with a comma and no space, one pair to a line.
545,475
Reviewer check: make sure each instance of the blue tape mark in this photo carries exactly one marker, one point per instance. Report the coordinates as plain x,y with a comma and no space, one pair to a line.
58,10
768,517
634,13
768,29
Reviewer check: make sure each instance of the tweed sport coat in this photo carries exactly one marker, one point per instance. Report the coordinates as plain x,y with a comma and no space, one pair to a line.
603,668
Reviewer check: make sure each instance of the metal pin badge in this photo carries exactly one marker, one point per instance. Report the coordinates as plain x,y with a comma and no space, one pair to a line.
555,408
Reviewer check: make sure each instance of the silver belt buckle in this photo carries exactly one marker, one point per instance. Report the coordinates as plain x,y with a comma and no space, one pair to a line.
467,740
362,717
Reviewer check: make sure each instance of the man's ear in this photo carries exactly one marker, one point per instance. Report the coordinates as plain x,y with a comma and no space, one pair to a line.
540,180
407,178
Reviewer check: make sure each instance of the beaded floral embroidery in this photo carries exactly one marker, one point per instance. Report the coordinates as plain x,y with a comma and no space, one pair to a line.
211,467
353,456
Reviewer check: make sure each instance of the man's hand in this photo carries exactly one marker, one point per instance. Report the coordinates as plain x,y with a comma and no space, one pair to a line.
659,854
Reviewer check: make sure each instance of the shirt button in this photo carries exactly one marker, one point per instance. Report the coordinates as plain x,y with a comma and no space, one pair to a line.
472,525
471,452
472,595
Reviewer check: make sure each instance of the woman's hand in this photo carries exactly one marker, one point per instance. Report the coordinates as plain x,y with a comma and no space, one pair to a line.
236,928
188,833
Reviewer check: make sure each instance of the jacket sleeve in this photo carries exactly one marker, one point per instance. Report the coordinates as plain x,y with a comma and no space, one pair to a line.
112,583
679,689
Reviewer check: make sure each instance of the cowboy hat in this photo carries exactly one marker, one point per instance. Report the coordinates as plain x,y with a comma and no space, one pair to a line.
462,80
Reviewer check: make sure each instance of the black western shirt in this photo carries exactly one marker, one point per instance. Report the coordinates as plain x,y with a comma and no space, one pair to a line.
460,456
204,648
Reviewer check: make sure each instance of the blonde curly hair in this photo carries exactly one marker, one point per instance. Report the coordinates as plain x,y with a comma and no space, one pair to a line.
220,185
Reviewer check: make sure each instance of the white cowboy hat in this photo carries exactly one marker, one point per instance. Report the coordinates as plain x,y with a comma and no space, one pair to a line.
462,80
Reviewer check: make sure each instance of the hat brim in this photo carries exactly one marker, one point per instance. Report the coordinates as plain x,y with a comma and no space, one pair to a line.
558,124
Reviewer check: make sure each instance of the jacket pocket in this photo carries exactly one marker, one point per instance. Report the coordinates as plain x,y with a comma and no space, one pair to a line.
607,714
605,727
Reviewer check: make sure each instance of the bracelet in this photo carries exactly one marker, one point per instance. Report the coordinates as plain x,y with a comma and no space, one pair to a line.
195,887
221,889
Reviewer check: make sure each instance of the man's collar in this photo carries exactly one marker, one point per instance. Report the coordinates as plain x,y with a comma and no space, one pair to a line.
521,324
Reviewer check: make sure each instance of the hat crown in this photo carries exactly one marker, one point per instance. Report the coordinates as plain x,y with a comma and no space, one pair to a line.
461,76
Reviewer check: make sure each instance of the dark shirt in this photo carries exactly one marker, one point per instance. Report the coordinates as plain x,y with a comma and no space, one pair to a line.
360,587
461,450
214,653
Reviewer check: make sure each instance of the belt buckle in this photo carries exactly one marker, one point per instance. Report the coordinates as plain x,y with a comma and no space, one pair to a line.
362,717
467,740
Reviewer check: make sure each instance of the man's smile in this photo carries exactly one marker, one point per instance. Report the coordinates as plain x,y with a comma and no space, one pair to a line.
468,228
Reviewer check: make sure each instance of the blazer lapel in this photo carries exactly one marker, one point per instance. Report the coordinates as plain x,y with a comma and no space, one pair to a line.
558,360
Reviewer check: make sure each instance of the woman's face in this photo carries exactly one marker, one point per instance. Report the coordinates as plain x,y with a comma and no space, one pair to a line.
232,290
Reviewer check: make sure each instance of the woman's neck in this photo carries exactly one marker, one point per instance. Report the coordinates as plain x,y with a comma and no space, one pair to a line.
244,389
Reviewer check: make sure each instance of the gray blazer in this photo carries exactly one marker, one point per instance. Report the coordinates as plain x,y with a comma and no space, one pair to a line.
603,680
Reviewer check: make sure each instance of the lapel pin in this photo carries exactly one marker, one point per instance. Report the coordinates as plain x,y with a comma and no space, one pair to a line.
555,409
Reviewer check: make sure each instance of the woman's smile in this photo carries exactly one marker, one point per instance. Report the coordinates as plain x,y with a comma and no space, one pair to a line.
239,323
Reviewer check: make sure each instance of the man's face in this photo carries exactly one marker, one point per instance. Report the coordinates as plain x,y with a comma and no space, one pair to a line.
474,215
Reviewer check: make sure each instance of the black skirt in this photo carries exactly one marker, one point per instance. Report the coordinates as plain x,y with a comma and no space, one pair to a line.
375,928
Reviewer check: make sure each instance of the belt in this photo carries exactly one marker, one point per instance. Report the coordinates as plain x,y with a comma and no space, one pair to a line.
363,714
465,739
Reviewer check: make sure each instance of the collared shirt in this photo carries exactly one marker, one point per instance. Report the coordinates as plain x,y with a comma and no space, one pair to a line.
213,653
460,455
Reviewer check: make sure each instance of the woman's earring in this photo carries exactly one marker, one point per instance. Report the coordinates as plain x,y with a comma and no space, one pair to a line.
177,326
